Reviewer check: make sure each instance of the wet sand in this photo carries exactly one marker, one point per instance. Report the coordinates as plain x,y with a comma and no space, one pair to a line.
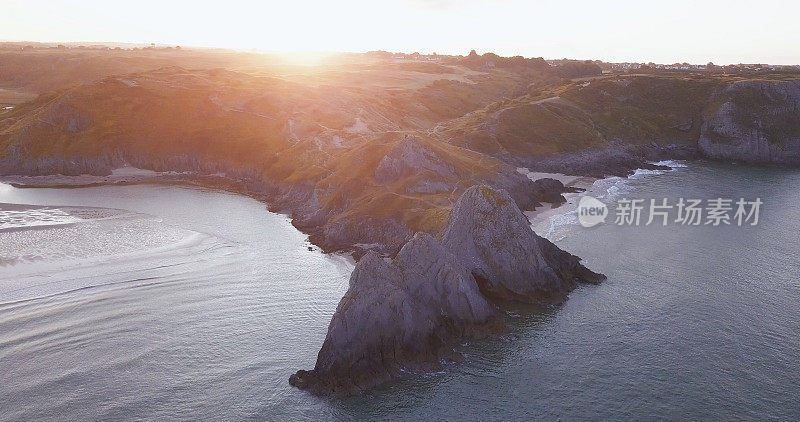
540,217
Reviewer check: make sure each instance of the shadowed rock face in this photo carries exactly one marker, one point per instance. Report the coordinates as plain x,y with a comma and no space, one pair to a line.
758,122
409,156
494,240
616,160
408,313
550,190
397,315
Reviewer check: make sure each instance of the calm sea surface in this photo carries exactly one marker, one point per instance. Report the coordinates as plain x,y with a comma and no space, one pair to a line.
169,303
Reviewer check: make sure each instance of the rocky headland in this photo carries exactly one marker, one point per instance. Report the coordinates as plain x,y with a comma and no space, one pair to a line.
408,313
384,158
755,122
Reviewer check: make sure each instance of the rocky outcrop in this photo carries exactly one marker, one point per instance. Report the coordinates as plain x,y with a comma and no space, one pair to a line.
550,190
399,315
408,313
526,193
616,160
494,240
409,156
757,122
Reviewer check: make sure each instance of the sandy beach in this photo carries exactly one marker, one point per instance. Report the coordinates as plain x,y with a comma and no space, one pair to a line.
540,217
128,175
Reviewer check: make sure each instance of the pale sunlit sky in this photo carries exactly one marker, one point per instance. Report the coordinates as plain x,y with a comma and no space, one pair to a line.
695,31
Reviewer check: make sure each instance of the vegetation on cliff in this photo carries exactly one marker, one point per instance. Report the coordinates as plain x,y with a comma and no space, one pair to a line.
363,151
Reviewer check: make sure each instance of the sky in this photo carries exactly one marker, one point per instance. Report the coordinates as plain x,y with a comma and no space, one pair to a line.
693,31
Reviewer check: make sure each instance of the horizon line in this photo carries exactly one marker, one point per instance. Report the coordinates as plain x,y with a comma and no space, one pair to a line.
323,51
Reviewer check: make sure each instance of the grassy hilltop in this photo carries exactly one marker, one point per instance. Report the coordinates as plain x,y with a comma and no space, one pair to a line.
360,149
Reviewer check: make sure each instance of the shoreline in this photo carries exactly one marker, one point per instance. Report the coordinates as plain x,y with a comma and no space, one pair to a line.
221,182
541,220
40,272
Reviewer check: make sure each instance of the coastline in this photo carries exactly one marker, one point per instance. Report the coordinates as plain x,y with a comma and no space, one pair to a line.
122,254
126,175
546,220
543,221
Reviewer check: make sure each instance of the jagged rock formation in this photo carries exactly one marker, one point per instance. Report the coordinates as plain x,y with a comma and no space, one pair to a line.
494,240
757,122
396,315
408,313
550,190
409,156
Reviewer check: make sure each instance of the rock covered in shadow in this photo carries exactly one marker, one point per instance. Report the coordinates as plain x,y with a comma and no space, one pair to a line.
550,190
755,122
410,156
408,313
495,242
405,314
618,159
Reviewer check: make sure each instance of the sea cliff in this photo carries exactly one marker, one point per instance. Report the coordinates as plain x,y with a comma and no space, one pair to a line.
409,312
755,122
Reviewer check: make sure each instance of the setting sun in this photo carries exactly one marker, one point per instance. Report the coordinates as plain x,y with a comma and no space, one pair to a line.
678,31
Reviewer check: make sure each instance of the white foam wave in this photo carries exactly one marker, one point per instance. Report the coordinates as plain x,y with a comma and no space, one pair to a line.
672,163
606,190
559,221
645,172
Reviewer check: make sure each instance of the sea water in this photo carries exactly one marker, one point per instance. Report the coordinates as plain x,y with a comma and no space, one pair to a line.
155,302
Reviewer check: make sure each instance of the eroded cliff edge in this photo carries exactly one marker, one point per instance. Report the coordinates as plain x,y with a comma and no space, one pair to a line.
755,122
408,313
614,125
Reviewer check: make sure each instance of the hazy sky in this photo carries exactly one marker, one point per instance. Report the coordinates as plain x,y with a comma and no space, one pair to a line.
696,31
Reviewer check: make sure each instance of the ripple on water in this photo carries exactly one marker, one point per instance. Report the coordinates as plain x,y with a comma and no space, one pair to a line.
693,323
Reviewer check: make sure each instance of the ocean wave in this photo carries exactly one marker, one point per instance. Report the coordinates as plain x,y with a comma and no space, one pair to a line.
646,172
558,222
607,190
672,163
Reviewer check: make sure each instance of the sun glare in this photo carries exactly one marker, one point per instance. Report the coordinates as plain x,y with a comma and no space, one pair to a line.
304,58
635,31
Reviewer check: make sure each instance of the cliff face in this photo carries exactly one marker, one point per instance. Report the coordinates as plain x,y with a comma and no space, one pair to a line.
494,240
398,315
365,167
613,125
410,157
756,122
355,172
408,313
606,126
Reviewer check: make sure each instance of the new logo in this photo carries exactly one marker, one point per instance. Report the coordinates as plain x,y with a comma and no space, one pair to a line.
591,211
